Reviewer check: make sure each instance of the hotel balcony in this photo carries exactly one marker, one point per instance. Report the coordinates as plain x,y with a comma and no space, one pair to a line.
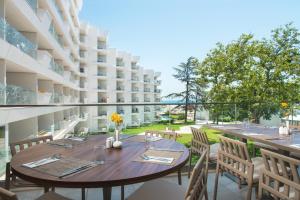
134,66
102,99
57,98
120,88
56,36
147,80
120,62
134,78
135,99
17,39
19,95
134,110
101,88
45,97
157,90
147,109
147,90
120,100
101,59
54,66
120,110
120,76
146,99
157,82
134,89
101,45
83,71
102,114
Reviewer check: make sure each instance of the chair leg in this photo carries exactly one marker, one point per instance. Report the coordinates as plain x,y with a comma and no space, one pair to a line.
190,164
249,191
206,194
83,193
179,177
253,151
7,176
216,182
122,192
46,189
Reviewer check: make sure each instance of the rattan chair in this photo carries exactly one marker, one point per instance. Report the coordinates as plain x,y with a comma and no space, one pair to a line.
199,144
172,135
11,180
160,189
7,195
233,158
280,177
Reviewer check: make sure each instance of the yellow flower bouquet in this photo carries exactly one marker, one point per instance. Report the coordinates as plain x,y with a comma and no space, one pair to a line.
117,119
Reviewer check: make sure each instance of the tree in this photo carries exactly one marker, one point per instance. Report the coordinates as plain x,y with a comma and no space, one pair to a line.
257,74
185,73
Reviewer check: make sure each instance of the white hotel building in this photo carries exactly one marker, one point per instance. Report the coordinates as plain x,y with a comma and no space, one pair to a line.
48,57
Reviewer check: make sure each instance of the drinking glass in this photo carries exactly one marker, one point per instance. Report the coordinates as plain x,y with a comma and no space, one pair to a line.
99,153
148,139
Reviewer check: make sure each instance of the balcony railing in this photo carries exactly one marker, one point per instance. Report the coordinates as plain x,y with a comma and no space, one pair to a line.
120,100
55,35
147,90
135,79
101,59
135,110
32,4
146,99
101,87
135,89
54,66
2,94
135,99
120,88
17,39
157,90
157,82
19,95
57,98
102,113
82,38
101,73
101,46
102,100
121,112
134,67
59,11
120,76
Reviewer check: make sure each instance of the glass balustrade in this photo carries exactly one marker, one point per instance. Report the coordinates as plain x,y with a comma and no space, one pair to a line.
59,11
54,66
17,39
18,95
2,94
32,4
55,35
57,98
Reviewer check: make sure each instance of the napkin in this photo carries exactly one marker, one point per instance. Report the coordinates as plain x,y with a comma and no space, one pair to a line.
40,162
159,159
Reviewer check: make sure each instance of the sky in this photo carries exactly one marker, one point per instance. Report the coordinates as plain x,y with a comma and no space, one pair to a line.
165,33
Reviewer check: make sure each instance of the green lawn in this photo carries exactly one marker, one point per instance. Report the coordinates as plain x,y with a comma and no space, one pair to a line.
156,127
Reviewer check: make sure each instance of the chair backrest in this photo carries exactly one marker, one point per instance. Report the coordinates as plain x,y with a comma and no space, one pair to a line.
281,176
199,142
7,195
172,135
21,145
198,182
233,157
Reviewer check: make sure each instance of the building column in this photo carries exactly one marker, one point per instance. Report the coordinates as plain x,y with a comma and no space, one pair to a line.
6,141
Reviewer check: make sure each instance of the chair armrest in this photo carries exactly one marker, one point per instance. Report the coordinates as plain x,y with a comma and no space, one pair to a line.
5,194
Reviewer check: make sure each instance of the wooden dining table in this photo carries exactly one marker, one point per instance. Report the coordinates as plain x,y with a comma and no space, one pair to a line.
267,135
119,168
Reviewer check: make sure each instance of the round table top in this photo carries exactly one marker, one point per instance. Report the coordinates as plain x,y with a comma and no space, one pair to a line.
118,169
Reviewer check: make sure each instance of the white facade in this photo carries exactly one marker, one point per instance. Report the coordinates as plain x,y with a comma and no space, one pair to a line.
48,57
115,77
